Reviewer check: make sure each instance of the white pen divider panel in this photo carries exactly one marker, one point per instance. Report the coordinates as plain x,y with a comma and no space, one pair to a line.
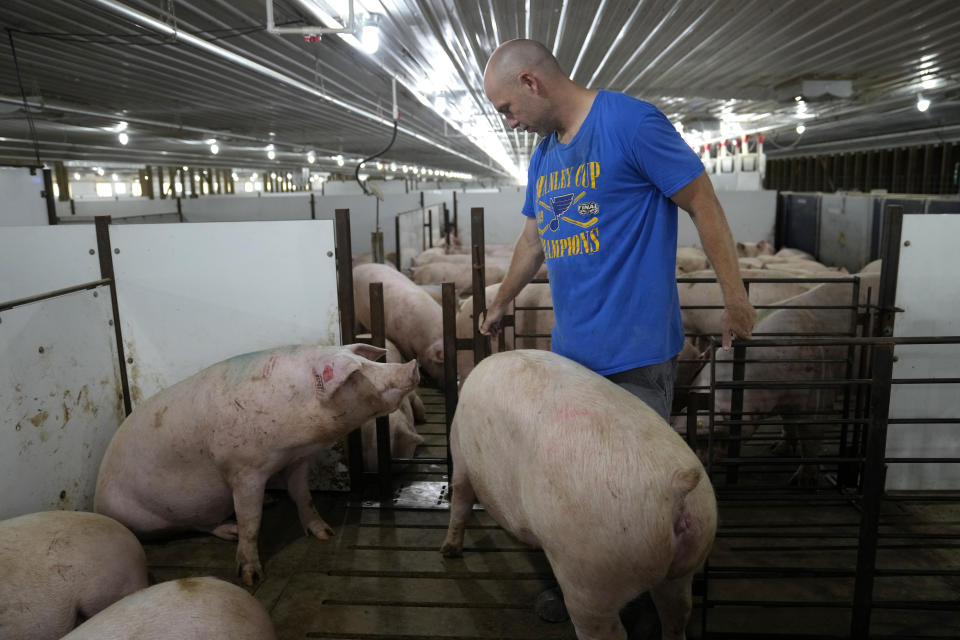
35,260
248,207
192,295
60,400
928,292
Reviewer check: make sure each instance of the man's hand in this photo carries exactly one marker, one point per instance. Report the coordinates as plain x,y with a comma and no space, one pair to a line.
737,319
491,321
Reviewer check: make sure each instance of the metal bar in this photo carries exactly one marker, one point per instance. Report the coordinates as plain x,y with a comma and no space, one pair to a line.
396,241
449,294
19,302
736,405
313,206
481,347
874,472
419,460
344,258
378,331
48,197
102,226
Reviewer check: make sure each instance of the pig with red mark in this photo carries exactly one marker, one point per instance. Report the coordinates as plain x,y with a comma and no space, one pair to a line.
185,609
566,460
203,449
60,566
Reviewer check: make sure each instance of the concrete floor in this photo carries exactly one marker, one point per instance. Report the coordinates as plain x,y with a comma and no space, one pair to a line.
382,577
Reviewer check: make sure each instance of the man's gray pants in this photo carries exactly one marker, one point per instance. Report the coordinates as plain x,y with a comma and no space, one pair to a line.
653,384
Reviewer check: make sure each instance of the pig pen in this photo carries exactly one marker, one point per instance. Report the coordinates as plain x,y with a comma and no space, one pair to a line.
836,551
826,563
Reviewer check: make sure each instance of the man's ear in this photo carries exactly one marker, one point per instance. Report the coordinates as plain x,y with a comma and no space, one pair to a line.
367,351
529,81
331,372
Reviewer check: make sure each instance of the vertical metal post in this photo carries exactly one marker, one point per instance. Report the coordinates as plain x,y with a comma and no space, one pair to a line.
347,335
102,227
396,241
313,207
384,457
48,196
456,227
180,208
449,361
736,407
874,470
846,472
430,228
481,346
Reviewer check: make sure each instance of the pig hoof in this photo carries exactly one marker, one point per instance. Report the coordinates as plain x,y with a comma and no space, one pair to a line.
319,530
226,531
450,550
251,574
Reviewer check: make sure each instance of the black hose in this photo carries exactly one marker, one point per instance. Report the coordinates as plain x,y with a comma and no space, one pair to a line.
356,172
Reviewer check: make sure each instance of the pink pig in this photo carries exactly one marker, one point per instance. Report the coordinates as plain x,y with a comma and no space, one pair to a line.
203,449
59,565
566,460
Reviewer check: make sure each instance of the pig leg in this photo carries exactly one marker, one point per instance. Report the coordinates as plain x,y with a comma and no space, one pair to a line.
461,504
248,504
419,411
297,478
590,621
674,601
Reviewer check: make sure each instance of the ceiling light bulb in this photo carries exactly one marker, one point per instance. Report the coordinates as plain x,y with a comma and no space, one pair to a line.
339,161
271,154
798,98
234,176
121,127
114,177
311,157
922,104
393,166
211,141
124,138
76,176
99,171
214,148
800,129
370,39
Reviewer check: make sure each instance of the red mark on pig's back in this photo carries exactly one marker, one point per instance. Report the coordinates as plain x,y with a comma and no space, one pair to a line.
327,373
268,367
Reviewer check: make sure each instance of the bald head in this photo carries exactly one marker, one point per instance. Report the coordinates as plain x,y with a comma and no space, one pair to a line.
515,57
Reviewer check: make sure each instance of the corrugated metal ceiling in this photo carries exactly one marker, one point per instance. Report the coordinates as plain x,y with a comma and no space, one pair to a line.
739,62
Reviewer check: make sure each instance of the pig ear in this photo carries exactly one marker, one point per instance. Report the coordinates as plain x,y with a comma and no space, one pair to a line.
762,244
367,351
741,246
330,373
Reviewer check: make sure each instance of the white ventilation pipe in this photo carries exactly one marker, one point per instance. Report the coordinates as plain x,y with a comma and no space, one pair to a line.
273,28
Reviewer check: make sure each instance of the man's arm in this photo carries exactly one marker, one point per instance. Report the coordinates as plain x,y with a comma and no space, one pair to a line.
700,201
527,258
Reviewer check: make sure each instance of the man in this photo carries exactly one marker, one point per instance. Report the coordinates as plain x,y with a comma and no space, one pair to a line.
602,195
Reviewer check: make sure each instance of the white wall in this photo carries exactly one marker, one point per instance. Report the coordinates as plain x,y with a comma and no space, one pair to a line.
246,207
932,241
21,203
750,214
503,221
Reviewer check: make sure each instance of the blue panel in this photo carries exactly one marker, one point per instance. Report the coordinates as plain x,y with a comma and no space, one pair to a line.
943,205
801,221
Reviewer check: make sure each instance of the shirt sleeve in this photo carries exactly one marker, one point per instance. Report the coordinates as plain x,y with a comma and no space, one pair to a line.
662,155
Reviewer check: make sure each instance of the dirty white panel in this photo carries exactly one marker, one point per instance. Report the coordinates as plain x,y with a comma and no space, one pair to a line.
502,220
750,214
929,293
60,401
191,295
35,260
22,202
125,207
411,236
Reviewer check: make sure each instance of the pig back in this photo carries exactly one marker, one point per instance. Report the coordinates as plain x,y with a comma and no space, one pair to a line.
56,564
414,320
564,458
186,609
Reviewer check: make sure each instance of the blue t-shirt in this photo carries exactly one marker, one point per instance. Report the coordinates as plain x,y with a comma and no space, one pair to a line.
609,233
